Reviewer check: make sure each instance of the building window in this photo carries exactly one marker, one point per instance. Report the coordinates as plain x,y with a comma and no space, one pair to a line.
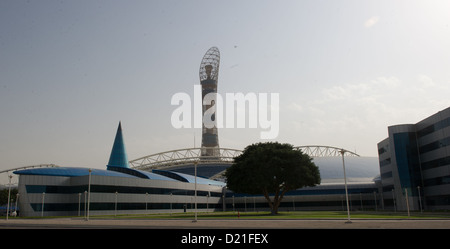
407,160
434,127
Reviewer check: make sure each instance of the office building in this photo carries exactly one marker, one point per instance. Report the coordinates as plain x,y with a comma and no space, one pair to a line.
415,164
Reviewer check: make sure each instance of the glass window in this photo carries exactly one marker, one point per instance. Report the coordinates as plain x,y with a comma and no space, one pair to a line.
407,159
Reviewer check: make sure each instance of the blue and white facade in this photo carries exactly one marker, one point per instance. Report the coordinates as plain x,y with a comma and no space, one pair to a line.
71,191
63,191
415,164
119,189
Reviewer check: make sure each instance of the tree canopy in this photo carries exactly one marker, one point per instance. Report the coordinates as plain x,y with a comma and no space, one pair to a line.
4,195
271,169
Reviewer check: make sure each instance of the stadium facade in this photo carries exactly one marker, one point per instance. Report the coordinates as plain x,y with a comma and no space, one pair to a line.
121,189
55,191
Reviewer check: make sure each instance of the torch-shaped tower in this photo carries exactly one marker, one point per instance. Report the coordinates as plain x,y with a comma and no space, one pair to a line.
209,74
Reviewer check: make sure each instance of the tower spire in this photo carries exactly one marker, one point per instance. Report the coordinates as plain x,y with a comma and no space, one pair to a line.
118,157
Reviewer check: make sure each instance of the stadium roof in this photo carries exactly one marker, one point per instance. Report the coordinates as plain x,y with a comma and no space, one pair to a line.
124,172
69,172
188,178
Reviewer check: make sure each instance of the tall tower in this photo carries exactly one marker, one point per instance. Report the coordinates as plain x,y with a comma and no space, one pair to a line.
209,74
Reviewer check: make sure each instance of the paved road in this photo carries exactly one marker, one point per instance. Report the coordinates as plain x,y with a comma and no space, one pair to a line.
77,223
220,233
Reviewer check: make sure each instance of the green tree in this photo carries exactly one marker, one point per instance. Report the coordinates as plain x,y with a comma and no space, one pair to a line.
271,168
4,195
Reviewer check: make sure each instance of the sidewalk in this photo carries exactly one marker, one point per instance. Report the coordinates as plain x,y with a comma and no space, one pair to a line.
79,223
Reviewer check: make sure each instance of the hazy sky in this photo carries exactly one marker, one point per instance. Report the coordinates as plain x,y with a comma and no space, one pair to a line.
344,71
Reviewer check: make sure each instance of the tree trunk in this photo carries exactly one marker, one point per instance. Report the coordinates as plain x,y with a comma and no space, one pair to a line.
274,210
276,200
266,195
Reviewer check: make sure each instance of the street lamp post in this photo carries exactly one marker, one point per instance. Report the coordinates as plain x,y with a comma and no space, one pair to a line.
9,196
88,195
79,203
407,202
233,205
85,202
115,206
342,151
293,202
171,200
393,200
17,199
195,192
207,201
420,199
360,199
146,201
245,203
42,208
375,198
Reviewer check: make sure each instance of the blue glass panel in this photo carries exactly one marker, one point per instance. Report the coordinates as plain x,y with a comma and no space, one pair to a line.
407,160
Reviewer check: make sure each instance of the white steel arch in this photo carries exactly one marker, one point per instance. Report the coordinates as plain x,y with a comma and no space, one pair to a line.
183,157
188,156
29,167
324,151
4,174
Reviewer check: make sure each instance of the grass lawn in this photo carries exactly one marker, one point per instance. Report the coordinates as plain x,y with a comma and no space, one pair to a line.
286,215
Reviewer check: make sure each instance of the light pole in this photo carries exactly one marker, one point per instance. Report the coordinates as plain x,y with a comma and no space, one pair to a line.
393,200
407,202
42,208
375,198
9,197
115,206
85,202
293,202
146,201
420,199
79,203
245,203
89,195
207,201
171,200
342,151
195,192
360,199
233,205
17,199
